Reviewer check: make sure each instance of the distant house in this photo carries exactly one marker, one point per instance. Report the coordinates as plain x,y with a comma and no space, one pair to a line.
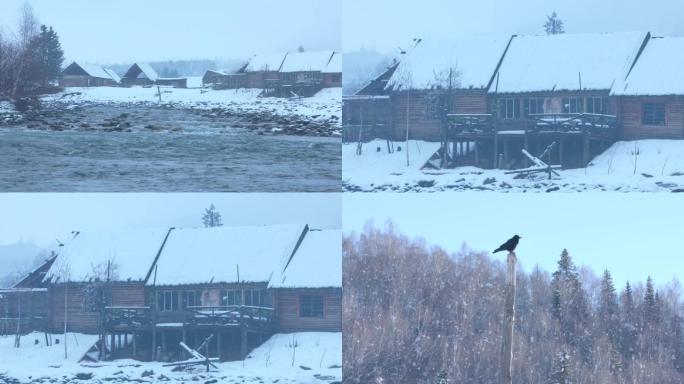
140,74
650,99
162,286
332,74
85,75
263,70
213,76
302,72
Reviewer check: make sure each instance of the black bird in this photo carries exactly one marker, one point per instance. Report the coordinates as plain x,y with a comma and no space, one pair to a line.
509,245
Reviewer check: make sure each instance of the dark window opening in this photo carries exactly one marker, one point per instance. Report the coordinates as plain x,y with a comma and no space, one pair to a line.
311,306
653,113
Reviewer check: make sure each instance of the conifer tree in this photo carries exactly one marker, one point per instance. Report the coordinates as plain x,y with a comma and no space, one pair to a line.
554,25
561,370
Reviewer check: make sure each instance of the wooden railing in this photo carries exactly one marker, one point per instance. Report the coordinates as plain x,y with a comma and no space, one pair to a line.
116,316
534,123
142,316
251,316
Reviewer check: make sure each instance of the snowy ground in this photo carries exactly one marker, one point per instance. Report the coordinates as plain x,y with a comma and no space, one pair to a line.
326,104
317,359
627,166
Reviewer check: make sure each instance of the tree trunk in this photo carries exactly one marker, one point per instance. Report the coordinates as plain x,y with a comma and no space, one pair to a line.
508,321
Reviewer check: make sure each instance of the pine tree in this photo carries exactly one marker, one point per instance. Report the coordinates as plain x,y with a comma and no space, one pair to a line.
561,370
650,304
211,218
46,56
628,327
678,343
554,25
608,308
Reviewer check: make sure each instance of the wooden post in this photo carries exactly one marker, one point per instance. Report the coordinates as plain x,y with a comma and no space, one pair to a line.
477,154
154,342
585,149
135,345
508,321
218,345
243,342
495,164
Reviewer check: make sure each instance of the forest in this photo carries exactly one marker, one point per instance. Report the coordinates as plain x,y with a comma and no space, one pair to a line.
414,312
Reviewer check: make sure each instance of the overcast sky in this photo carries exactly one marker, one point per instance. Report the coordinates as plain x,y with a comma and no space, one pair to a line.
631,234
42,218
122,31
386,24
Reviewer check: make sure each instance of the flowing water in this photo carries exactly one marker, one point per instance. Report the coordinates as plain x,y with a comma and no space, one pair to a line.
188,153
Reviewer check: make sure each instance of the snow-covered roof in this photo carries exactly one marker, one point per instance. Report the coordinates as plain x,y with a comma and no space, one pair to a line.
473,60
98,71
335,64
561,62
316,264
113,75
265,62
205,255
146,71
658,71
306,61
131,251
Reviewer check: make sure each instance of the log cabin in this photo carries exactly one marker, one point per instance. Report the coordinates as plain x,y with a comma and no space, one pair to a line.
85,75
263,70
301,73
573,93
139,74
650,99
144,291
24,306
332,74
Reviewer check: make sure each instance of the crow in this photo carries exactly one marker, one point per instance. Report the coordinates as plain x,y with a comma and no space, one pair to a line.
509,245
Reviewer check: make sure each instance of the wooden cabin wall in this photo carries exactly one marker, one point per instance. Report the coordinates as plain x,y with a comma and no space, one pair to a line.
84,81
368,111
422,123
631,119
412,106
332,79
78,318
289,319
32,304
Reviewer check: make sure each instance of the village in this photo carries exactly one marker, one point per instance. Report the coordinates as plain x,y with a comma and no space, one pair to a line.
568,112
259,300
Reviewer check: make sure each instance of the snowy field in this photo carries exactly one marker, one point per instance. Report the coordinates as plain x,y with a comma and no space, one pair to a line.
326,104
627,166
317,358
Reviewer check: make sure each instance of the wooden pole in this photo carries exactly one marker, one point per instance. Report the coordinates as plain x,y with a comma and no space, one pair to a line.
508,321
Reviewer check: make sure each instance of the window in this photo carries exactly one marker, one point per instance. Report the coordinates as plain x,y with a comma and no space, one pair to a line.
653,113
255,297
231,297
167,300
598,105
310,306
192,299
509,108
533,106
573,105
